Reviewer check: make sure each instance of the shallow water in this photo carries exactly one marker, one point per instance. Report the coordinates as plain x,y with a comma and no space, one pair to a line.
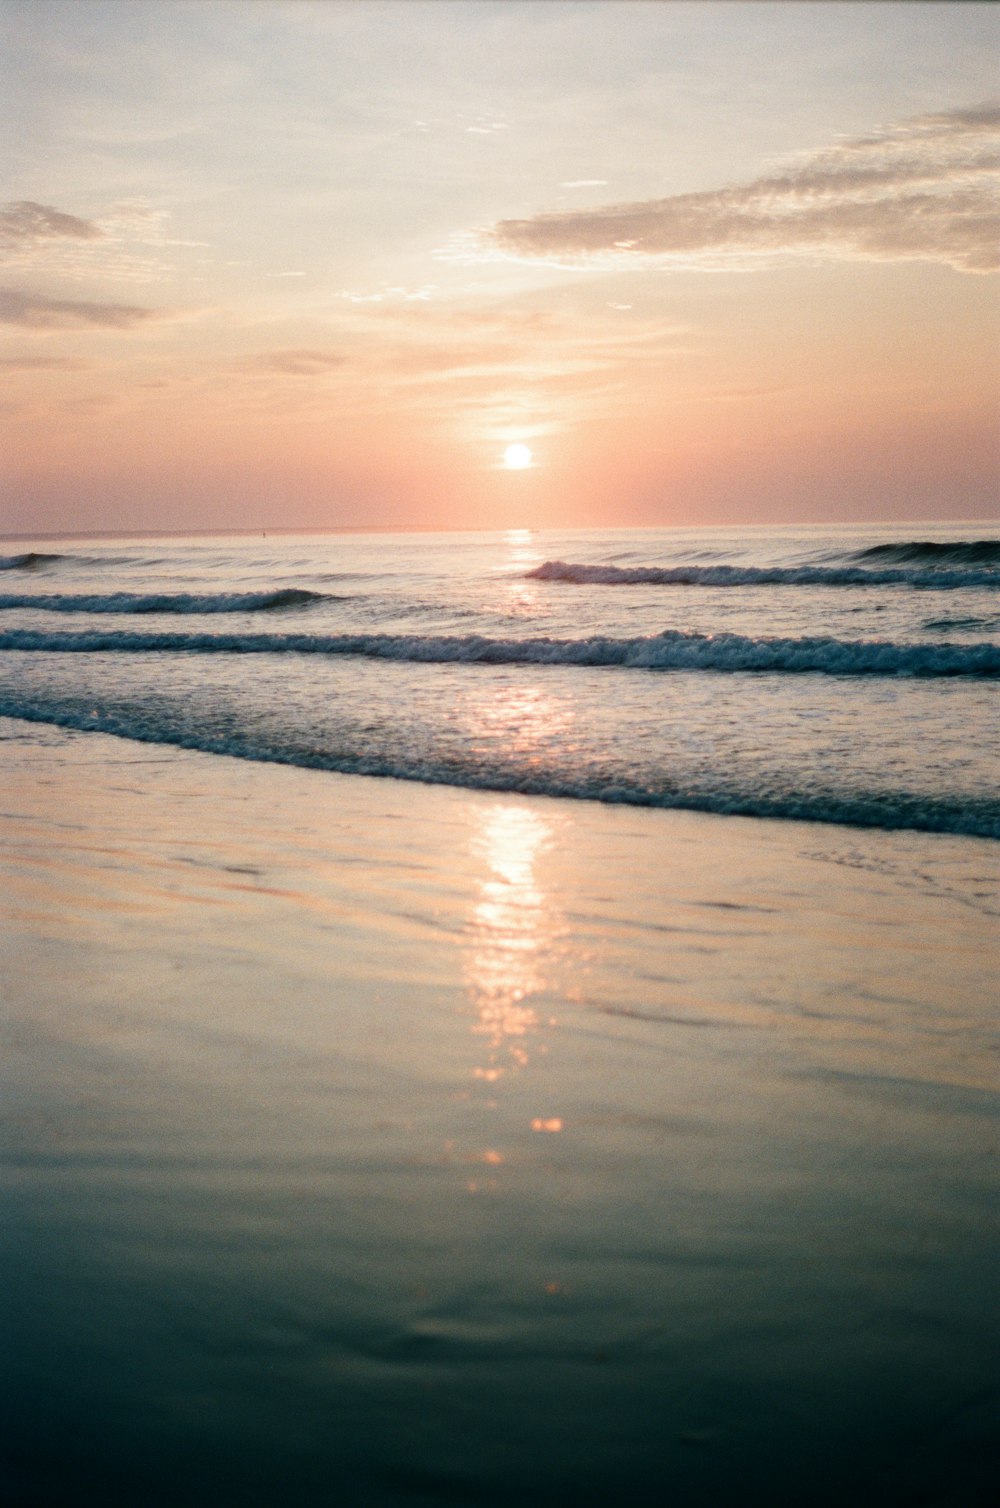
383,1144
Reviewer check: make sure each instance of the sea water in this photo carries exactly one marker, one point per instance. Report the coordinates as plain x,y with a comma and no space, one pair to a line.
405,1142
838,675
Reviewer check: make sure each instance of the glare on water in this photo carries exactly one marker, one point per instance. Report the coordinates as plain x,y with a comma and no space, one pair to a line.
514,925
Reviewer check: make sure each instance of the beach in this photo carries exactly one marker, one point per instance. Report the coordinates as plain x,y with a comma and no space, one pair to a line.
499,782
379,1142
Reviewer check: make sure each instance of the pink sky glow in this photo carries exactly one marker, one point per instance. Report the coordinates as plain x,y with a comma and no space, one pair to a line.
304,264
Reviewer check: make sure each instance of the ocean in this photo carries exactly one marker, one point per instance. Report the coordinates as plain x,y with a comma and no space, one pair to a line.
500,1019
836,675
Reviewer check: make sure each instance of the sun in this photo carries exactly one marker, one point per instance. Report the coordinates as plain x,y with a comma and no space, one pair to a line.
517,457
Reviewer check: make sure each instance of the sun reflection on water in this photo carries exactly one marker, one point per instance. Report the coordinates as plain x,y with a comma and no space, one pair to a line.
519,596
524,722
514,927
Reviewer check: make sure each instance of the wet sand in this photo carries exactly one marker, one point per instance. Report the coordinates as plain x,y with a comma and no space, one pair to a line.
377,1144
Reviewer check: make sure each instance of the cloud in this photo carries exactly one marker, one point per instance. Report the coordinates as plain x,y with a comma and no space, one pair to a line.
443,321
390,294
25,223
298,363
924,189
456,360
128,241
42,364
34,312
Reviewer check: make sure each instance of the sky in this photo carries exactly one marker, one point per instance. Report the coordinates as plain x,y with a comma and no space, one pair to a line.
319,263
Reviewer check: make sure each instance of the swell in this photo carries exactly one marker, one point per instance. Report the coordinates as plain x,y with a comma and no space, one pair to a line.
34,560
736,576
31,560
892,811
985,624
934,552
169,602
671,650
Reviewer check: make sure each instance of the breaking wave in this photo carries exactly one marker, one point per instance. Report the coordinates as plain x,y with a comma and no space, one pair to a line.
892,810
671,650
734,576
176,602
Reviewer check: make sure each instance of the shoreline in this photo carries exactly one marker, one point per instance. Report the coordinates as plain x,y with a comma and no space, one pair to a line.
920,823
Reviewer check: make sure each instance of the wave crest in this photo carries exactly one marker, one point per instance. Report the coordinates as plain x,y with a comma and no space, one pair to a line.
671,650
735,576
30,560
936,553
170,602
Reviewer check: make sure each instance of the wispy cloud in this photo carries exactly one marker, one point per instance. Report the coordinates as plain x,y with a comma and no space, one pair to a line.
129,241
297,363
25,223
390,294
33,312
924,189
484,126
42,364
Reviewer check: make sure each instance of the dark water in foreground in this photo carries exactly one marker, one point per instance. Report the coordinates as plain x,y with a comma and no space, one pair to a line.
379,1145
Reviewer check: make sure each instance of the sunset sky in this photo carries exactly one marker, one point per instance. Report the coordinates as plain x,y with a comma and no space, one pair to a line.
314,263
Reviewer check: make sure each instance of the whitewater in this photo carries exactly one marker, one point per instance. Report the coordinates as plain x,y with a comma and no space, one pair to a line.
807,674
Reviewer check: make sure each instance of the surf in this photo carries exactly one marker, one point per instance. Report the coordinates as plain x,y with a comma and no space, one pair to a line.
672,650
149,723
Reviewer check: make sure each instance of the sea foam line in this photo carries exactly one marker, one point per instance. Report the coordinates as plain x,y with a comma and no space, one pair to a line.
976,817
733,576
671,650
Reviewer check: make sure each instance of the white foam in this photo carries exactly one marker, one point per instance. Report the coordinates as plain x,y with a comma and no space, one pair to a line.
891,810
672,650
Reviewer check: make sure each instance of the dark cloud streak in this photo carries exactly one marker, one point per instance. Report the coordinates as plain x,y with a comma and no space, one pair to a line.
33,312
42,364
298,363
23,223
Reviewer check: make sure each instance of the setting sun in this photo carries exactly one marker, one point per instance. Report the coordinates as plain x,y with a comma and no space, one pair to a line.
517,457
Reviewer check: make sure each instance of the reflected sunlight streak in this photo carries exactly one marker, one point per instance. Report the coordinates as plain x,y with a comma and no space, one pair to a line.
523,555
513,925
